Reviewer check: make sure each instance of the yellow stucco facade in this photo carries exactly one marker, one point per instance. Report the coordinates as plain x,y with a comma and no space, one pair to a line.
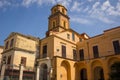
77,56
17,46
1,50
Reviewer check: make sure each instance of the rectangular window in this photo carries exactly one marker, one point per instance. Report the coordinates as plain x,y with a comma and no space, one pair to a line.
63,51
116,46
80,39
81,54
64,24
4,60
74,54
6,45
68,36
44,51
9,59
53,24
73,36
95,51
11,43
23,61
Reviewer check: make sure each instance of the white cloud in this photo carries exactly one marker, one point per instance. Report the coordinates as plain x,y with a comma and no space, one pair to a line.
97,4
86,9
27,3
4,3
80,20
105,5
95,9
104,12
105,19
111,10
118,5
1,4
40,2
90,0
76,6
66,3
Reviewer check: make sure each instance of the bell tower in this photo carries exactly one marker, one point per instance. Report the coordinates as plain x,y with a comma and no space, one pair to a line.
58,21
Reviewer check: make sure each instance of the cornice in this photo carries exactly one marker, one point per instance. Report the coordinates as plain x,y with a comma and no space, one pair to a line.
57,27
58,13
18,49
64,40
26,36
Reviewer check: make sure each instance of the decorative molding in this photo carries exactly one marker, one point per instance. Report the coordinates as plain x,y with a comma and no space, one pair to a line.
18,49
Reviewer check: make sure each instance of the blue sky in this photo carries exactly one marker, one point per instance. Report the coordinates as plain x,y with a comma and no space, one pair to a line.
30,17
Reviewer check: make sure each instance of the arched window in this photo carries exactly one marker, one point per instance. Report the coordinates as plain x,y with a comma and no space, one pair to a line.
11,43
53,24
98,73
6,45
64,23
115,71
55,10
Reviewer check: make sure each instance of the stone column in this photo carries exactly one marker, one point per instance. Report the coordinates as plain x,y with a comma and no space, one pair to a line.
51,72
89,71
3,71
106,70
38,73
21,72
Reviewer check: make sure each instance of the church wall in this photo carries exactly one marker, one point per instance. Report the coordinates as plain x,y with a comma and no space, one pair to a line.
65,34
50,46
69,47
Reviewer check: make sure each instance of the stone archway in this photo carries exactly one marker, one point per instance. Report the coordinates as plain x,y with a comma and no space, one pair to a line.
97,70
66,71
115,71
83,74
98,73
43,72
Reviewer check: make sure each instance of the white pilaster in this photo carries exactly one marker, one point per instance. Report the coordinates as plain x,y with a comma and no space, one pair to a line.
2,71
38,73
21,72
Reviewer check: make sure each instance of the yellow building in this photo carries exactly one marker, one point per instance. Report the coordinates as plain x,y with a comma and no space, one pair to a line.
64,54
1,50
68,55
20,49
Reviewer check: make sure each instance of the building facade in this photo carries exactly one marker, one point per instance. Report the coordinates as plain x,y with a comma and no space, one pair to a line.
64,54
1,50
20,49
